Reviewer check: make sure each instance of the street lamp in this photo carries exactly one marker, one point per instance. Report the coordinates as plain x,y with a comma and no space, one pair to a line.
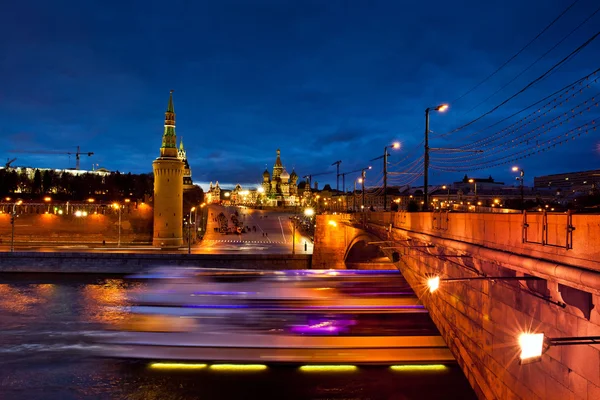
362,181
475,183
440,108
13,215
448,199
192,210
395,145
118,206
521,179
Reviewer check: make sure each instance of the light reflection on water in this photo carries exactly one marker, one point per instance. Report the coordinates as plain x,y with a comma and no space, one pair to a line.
48,326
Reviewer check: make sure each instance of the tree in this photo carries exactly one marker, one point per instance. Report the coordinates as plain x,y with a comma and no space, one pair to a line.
47,180
37,182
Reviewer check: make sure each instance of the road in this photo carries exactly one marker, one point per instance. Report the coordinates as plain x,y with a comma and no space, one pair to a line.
270,232
273,235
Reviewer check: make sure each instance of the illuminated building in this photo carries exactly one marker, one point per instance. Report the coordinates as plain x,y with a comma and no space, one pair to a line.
187,171
168,187
280,189
213,196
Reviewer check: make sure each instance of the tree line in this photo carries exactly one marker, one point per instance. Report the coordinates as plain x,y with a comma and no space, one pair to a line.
67,186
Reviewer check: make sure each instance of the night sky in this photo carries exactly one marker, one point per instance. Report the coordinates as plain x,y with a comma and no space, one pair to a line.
321,80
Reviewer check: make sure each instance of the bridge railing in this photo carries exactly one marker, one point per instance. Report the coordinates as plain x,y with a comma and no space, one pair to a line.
566,237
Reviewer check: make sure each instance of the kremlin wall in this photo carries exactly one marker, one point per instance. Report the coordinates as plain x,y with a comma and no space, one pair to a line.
101,223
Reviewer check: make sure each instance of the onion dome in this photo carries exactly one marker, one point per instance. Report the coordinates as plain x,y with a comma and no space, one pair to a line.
284,175
266,173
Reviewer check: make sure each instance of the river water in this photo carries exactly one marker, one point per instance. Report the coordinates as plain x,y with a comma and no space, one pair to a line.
48,328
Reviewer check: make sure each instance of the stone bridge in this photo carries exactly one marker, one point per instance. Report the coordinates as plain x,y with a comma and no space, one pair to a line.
481,319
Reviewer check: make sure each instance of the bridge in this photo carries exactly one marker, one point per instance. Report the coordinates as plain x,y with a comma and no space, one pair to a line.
500,275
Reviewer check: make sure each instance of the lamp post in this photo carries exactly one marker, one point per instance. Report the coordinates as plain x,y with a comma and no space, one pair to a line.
363,175
440,108
475,183
192,210
448,199
521,179
118,206
354,195
13,215
395,145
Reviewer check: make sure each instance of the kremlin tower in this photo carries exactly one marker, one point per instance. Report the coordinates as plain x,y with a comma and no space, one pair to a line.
168,187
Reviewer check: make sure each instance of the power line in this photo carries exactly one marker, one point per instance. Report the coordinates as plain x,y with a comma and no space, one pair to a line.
536,61
530,84
517,53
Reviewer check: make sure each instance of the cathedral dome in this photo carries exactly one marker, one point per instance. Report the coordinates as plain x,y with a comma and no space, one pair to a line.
294,175
284,175
266,174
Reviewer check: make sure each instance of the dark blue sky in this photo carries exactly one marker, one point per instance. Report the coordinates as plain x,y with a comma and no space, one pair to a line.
321,80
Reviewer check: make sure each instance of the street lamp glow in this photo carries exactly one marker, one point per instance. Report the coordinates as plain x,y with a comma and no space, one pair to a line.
309,212
471,180
261,190
433,284
442,107
531,344
396,145
47,198
515,169
193,209
227,194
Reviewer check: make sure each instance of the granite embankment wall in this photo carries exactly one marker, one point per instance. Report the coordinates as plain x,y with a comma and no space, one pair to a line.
116,263
34,225
481,320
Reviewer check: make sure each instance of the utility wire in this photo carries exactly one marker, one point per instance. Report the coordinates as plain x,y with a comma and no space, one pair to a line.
517,53
536,80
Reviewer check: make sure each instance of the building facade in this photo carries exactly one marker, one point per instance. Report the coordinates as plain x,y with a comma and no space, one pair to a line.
280,188
169,171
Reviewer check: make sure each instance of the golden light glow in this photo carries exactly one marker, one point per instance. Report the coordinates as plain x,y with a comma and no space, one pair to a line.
227,194
7,198
328,368
238,367
471,180
47,198
531,345
515,169
332,223
261,190
433,284
193,209
127,200
19,202
396,145
116,205
309,212
444,187
442,108
432,367
176,366
91,200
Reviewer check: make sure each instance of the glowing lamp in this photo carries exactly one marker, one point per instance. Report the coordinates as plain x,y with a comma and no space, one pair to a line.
433,284
532,346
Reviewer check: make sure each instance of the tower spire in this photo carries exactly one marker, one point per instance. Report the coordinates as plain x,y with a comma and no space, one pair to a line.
169,139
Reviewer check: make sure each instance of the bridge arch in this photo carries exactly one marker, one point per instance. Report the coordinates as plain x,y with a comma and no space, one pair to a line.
360,252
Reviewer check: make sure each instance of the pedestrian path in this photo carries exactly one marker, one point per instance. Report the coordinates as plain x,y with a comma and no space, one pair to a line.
242,241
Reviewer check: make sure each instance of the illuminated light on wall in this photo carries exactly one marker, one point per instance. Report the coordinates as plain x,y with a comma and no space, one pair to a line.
532,345
238,367
328,368
176,366
431,367
332,223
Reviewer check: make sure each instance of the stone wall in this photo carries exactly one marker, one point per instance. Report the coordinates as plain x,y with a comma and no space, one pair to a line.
103,224
116,263
481,320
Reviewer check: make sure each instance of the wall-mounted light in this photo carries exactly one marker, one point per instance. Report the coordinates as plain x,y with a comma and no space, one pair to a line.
533,345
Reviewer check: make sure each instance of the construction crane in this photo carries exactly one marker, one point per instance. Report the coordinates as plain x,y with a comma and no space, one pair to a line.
8,162
310,176
337,177
77,154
